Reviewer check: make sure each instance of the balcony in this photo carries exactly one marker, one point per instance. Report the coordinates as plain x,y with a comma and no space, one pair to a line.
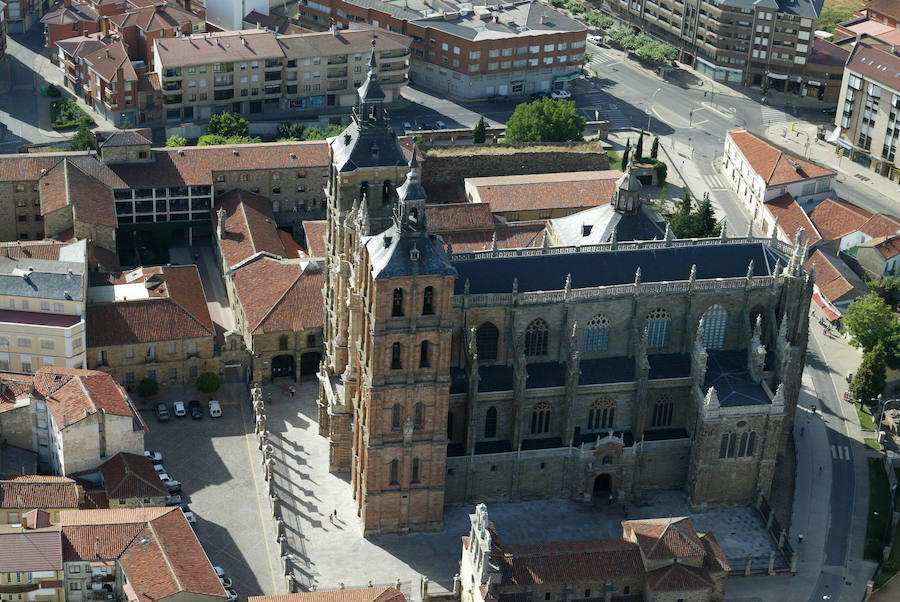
340,72
150,359
172,100
223,82
273,76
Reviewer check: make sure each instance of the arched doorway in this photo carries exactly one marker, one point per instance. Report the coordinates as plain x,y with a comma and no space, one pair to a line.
283,365
309,364
602,485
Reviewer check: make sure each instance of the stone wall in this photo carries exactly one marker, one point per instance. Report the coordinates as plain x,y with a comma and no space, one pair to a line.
457,164
128,370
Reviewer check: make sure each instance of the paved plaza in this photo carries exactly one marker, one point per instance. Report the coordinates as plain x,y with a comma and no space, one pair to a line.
328,552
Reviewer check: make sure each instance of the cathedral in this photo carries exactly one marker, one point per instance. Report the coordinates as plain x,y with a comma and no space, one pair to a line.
581,372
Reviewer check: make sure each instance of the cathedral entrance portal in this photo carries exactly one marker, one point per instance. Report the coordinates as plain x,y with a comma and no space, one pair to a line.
602,486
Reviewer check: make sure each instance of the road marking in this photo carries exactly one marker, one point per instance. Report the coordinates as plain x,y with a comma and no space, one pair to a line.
262,517
696,123
713,182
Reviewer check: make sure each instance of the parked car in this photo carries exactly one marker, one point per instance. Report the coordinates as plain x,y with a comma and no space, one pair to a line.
215,410
159,468
178,406
226,582
173,500
440,125
172,486
407,127
230,595
595,40
194,407
560,94
164,476
190,516
162,412
830,111
220,572
153,456
539,95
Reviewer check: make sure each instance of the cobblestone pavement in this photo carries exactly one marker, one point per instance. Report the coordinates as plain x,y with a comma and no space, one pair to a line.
327,552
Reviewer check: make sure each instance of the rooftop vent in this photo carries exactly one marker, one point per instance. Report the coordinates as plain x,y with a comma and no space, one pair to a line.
387,241
67,295
794,164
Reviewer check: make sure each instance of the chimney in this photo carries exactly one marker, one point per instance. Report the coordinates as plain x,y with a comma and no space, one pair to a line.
104,26
544,19
67,3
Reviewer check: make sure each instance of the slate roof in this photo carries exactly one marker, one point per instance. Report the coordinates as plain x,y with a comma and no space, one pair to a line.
137,137
49,280
29,551
176,309
727,372
280,296
366,146
835,218
791,217
589,269
128,475
60,14
391,254
546,191
353,594
35,491
775,165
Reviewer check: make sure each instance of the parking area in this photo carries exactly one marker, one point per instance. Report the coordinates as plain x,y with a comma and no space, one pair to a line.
219,466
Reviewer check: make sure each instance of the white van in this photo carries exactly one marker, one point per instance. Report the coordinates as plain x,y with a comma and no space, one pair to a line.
215,410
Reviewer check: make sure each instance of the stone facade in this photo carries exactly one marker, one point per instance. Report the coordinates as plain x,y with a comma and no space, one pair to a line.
174,362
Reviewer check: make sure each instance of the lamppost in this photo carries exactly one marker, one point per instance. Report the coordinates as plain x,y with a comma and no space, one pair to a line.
650,108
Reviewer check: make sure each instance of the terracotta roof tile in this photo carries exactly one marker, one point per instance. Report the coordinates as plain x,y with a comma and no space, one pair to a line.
97,542
715,557
887,246
665,538
249,227
567,562
459,216
774,165
508,237
546,191
32,249
358,594
116,516
834,279
678,578
279,296
35,491
72,394
835,218
885,7
314,233
156,17
881,224
128,475
60,14
791,218
30,551
67,184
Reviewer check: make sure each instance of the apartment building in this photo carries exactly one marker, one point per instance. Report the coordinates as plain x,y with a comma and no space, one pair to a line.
68,19
258,71
470,51
31,566
763,43
869,106
886,12
42,315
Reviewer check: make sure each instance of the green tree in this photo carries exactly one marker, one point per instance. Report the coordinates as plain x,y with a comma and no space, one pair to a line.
176,141
479,134
625,154
84,139
290,130
208,382
870,322
216,140
639,149
706,223
545,120
148,387
654,149
869,380
888,288
228,125
687,223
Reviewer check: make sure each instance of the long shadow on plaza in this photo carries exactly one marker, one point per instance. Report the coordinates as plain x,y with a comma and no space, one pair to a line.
223,551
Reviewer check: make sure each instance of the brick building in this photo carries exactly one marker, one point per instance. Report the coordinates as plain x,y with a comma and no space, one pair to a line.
150,323
471,51
68,19
885,12
533,373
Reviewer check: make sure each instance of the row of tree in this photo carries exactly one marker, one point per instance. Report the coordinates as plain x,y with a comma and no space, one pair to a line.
207,382
876,330
229,128
643,46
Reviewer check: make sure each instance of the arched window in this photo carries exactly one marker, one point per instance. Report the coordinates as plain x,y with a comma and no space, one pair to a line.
596,335
732,442
490,423
536,338
731,446
601,415
283,342
415,470
540,418
395,357
428,301
386,192
397,304
396,416
395,472
424,362
723,446
486,338
607,460
364,190
714,320
418,415
662,412
657,327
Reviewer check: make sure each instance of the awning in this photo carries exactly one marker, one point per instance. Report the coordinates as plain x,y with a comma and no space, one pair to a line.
796,78
776,75
831,314
814,83
567,77
835,135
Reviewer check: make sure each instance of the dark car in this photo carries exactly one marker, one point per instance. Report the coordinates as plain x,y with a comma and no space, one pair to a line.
162,412
194,409
540,95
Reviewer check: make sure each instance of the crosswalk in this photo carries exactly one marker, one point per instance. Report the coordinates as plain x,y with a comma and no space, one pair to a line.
714,182
770,115
840,452
605,107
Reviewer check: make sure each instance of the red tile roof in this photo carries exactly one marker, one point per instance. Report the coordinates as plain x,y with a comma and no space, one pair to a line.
834,279
459,216
128,475
715,557
32,249
35,491
546,191
678,578
72,394
91,200
12,387
774,165
835,218
568,562
881,224
279,296
508,237
887,246
665,538
175,310
791,218
314,232
355,594
60,14
156,17
30,551
249,227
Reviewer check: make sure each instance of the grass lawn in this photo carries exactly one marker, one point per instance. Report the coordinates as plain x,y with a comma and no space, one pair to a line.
837,11
872,443
866,422
879,509
615,161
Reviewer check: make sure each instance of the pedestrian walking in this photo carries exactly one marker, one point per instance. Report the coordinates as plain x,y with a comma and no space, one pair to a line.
293,392
334,516
269,398
800,538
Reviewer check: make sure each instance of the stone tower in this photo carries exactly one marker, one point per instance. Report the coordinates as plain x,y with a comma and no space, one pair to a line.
367,162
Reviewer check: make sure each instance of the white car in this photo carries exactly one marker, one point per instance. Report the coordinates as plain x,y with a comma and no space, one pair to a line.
215,409
154,457
163,476
226,582
179,409
596,40
560,94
